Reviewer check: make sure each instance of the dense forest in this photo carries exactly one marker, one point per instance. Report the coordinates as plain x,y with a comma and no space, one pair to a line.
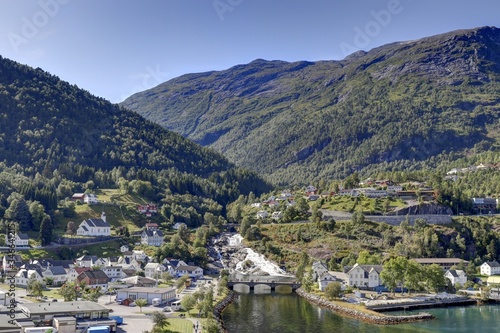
403,106
57,139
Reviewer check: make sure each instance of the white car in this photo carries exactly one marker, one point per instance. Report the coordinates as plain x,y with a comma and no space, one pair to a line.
132,304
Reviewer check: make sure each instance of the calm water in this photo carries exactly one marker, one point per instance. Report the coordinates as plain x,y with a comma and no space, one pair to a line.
289,313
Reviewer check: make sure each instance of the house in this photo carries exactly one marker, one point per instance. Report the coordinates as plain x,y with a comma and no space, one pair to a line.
73,273
20,240
318,269
124,248
484,205
11,262
490,268
152,237
277,215
86,261
256,205
493,281
94,279
444,263
177,225
57,274
394,188
90,199
367,276
165,295
113,272
139,255
192,271
456,276
153,270
24,275
262,214
325,279
148,209
78,197
45,263
94,227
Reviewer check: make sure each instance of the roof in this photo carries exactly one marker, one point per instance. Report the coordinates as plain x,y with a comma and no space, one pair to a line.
97,274
23,236
152,233
492,263
97,223
187,268
150,290
61,307
56,270
87,258
138,280
456,272
366,268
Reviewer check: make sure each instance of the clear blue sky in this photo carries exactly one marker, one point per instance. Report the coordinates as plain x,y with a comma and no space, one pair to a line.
114,48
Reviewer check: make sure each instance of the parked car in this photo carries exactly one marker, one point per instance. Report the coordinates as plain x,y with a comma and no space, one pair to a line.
167,309
132,304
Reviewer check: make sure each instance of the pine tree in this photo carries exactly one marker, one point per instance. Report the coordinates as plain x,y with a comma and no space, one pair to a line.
46,231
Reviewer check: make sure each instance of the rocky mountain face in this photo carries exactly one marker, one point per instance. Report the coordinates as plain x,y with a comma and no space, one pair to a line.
399,106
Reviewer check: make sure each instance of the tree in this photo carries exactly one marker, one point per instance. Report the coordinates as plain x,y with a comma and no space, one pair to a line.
414,275
308,281
141,302
71,228
19,211
211,326
91,294
207,305
36,289
37,212
69,291
181,282
188,302
434,277
159,321
394,273
46,231
333,290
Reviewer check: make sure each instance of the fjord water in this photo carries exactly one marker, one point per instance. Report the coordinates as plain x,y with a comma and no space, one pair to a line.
289,313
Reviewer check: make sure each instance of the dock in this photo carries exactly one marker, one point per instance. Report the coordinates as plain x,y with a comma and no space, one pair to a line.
422,304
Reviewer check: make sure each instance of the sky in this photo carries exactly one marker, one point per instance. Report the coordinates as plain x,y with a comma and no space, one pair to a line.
114,48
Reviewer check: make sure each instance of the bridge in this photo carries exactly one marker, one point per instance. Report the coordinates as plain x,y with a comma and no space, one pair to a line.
270,281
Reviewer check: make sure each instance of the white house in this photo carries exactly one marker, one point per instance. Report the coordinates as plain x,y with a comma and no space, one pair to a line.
192,271
456,276
277,215
490,268
152,237
73,273
326,278
113,272
21,240
56,273
363,275
22,277
86,261
139,255
153,270
94,227
124,248
262,214
90,199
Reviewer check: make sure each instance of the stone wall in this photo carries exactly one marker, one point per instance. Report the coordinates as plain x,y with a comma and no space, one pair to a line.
219,308
81,240
396,220
364,316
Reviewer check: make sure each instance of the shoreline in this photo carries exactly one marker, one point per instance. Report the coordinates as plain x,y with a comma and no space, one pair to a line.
220,307
359,314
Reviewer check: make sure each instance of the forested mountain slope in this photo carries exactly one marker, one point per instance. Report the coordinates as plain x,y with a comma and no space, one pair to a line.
396,107
55,135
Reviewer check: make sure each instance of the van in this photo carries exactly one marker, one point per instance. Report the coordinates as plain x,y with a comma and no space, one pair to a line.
156,302
176,306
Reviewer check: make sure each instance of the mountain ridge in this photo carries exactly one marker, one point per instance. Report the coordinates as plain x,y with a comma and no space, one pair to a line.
301,121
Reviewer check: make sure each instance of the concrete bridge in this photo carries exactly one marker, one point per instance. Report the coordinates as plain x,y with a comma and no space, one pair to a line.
271,282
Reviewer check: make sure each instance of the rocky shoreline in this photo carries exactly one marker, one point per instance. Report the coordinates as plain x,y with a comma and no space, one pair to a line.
220,307
367,317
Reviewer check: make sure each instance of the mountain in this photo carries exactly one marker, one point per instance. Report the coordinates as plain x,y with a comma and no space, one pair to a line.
53,130
401,106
